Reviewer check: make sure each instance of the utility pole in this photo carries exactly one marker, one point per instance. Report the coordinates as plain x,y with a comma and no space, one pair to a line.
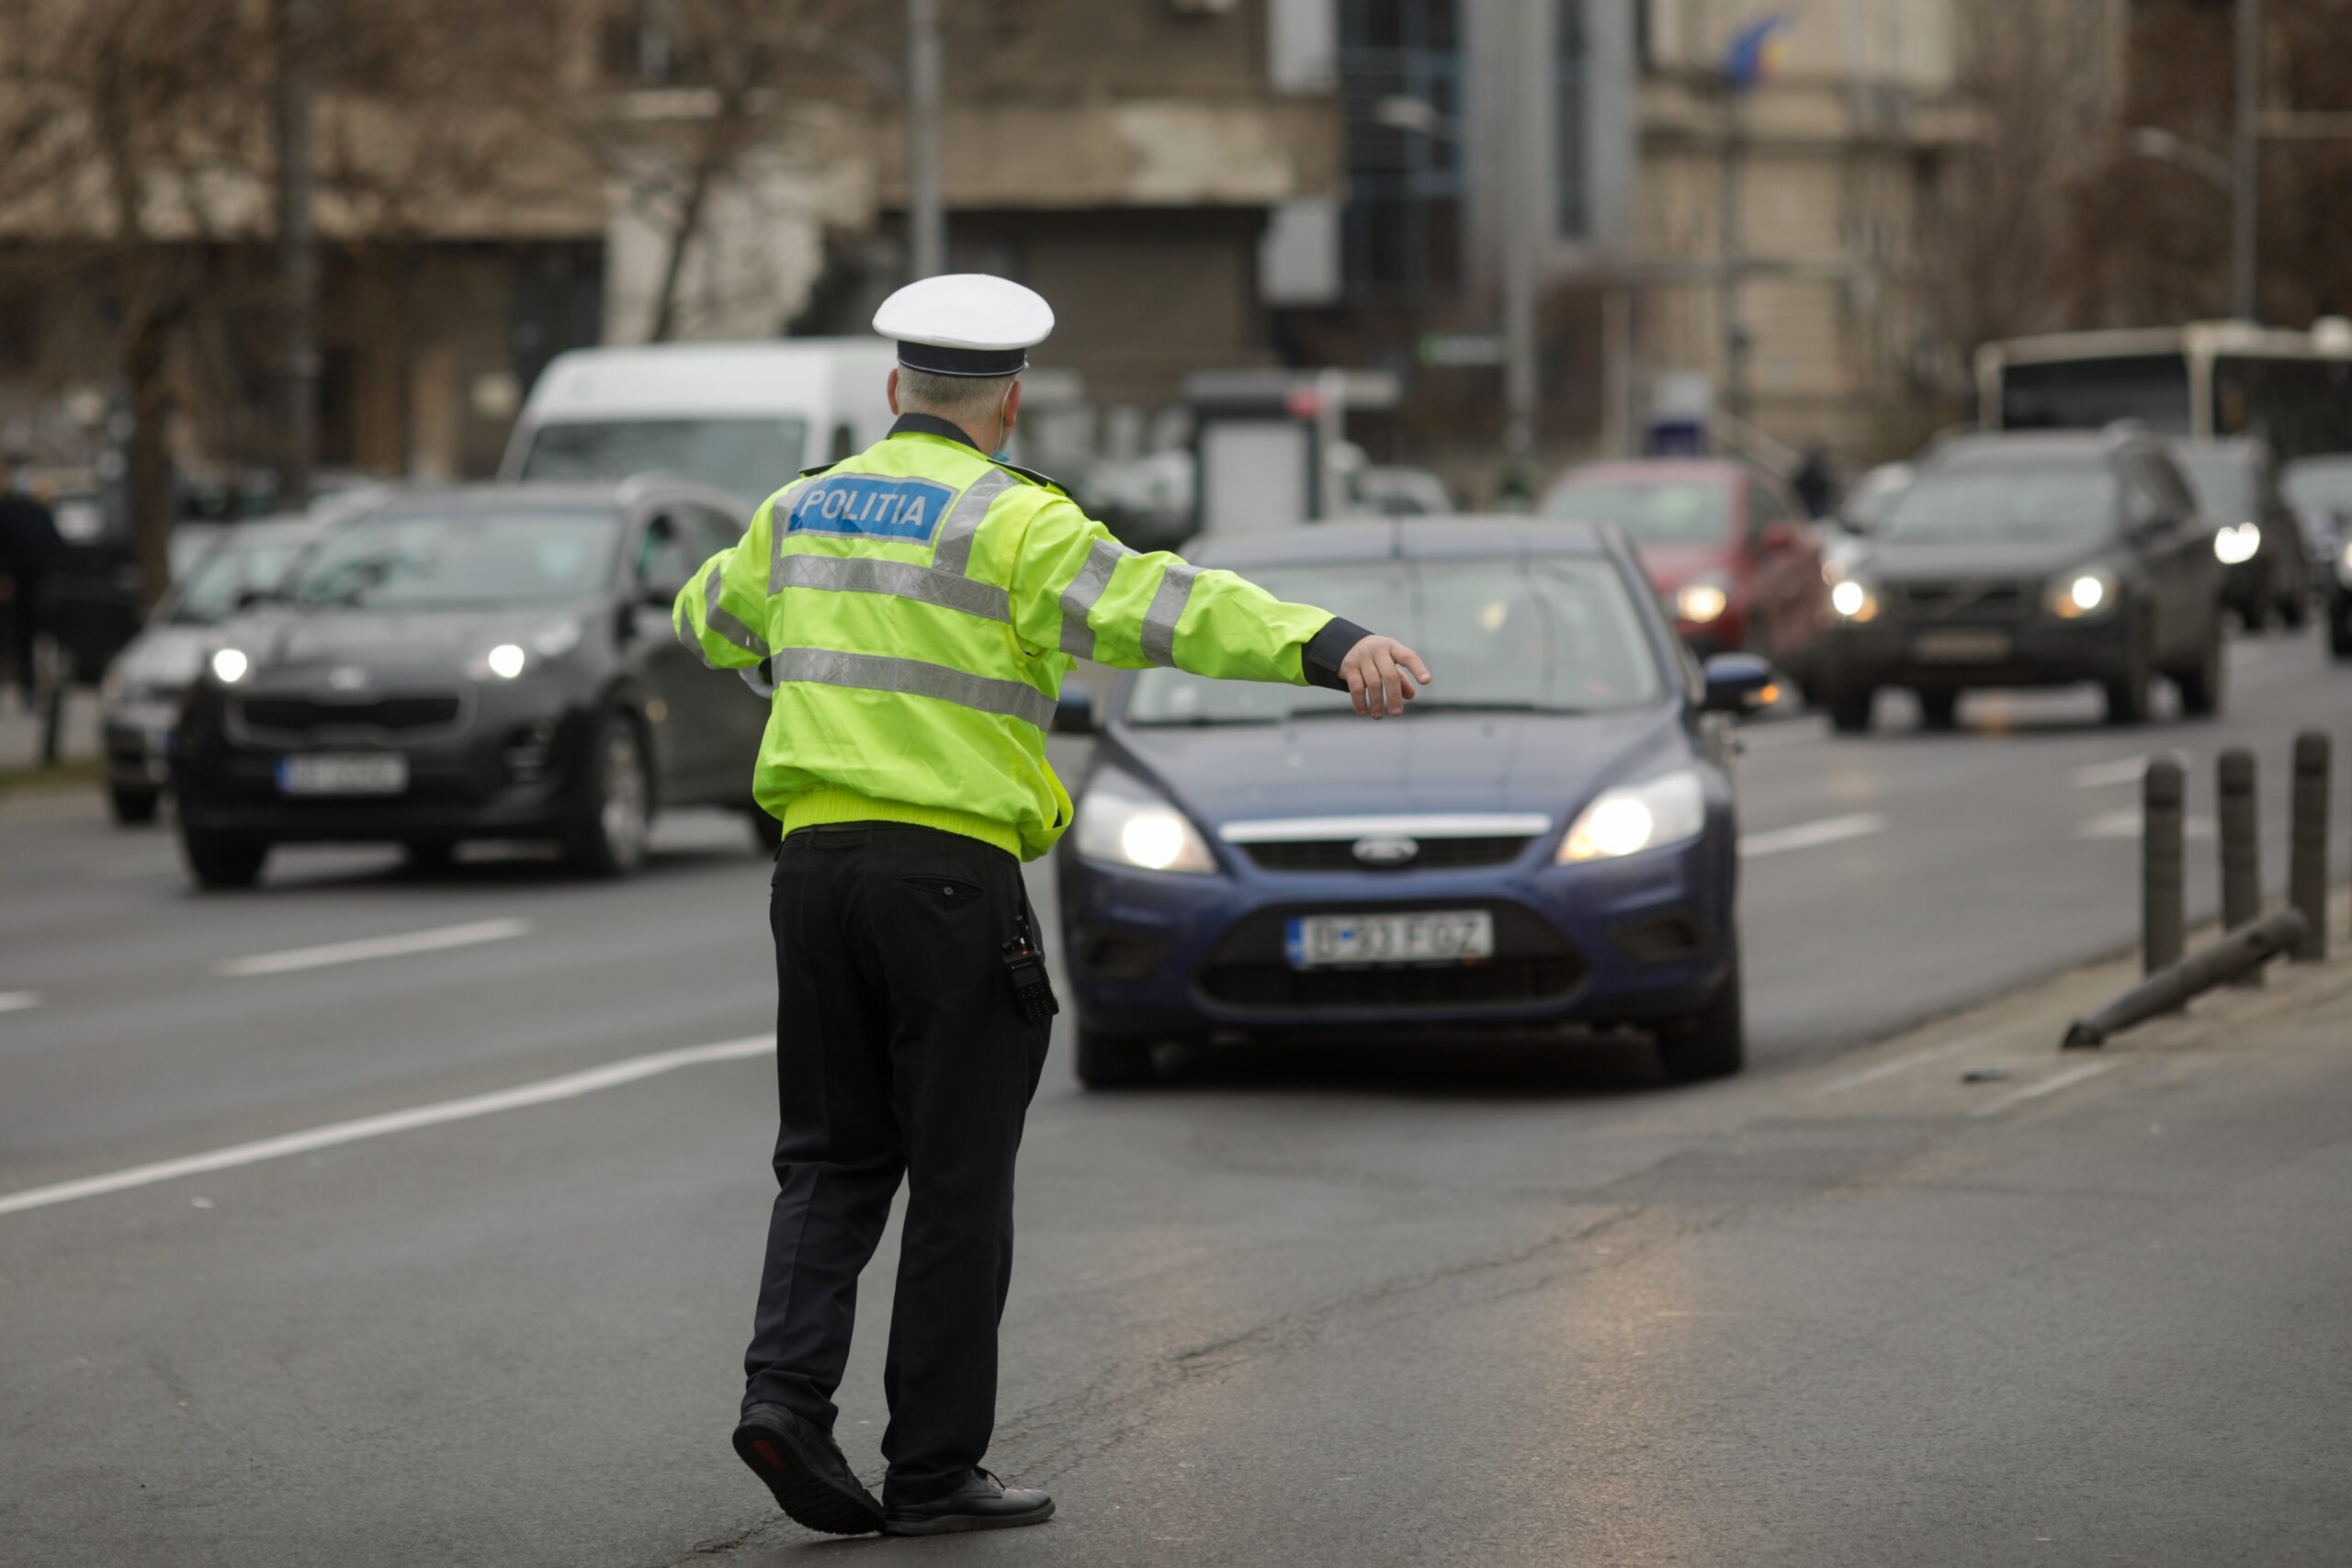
1523,205
2245,162
926,219
1734,259
298,255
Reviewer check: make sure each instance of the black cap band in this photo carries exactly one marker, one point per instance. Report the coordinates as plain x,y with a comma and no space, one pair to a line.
934,360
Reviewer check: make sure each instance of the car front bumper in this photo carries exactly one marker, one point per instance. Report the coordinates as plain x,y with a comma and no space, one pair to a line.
136,737
2029,653
1162,955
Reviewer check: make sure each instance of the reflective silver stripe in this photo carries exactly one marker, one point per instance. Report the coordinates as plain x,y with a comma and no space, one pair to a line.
873,672
725,622
955,550
1079,599
1167,609
901,579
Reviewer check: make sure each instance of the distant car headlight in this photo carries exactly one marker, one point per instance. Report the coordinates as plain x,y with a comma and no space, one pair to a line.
229,665
2083,596
2238,542
1669,809
2343,560
1854,600
1122,821
505,661
1701,602
508,661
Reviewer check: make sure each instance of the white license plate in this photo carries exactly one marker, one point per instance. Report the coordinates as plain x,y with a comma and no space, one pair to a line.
1434,936
1960,647
329,773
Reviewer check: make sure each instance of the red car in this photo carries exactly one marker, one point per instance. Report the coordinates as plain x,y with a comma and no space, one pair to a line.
1727,546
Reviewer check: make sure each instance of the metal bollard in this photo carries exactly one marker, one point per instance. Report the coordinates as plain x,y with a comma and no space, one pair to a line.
2241,848
2307,866
2161,918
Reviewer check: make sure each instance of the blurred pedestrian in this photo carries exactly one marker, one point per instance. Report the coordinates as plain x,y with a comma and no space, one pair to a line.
914,609
29,548
1814,482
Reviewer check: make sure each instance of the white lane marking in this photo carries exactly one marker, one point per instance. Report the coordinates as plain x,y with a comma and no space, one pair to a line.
2050,1084
1811,834
18,1001
2101,775
1903,1063
2124,823
569,1086
432,940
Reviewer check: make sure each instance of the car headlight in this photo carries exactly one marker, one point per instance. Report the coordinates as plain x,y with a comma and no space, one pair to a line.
2082,595
1121,820
1854,600
229,665
2238,542
508,660
1669,809
1701,602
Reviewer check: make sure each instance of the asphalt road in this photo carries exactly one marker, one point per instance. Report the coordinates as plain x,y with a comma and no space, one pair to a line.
1299,1306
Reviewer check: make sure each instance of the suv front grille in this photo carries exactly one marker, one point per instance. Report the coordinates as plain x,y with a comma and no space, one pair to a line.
404,717
1963,601
1339,854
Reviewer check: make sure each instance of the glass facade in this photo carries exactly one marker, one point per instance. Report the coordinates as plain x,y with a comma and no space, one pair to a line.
1401,79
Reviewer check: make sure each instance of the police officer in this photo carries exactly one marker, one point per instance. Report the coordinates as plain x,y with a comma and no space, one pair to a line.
913,610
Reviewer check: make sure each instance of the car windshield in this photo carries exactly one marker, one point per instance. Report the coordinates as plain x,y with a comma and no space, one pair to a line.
751,457
229,572
460,560
1558,636
1652,512
2223,483
2321,487
1981,504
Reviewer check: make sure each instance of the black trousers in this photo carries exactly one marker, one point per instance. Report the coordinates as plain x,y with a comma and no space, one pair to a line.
900,1050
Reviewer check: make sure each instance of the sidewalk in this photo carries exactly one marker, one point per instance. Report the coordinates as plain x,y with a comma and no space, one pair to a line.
20,731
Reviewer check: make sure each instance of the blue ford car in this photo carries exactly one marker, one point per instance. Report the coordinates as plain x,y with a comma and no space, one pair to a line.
1545,839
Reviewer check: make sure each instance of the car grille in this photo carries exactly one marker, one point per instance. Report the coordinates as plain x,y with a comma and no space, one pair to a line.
402,716
1963,601
1532,963
1339,854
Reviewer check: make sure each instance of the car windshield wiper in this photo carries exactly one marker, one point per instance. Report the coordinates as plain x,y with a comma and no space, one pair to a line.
1205,721
1434,705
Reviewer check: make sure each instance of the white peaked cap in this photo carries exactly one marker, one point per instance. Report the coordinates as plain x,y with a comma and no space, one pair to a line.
966,324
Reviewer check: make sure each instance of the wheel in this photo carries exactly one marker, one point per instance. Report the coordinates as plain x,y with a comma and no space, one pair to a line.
1849,708
222,860
1113,1061
2339,633
1710,1043
766,831
2127,695
2201,683
2255,613
616,812
2294,612
132,804
1938,710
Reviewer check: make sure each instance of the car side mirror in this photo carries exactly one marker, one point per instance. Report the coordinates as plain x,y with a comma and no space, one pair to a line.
1074,713
1736,682
1778,538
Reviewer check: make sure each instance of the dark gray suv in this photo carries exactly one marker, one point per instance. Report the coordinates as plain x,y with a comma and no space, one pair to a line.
2030,560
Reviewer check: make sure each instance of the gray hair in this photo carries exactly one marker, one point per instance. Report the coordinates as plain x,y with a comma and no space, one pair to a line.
965,399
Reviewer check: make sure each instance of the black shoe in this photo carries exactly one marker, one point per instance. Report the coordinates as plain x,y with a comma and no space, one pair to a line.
804,1468
982,1503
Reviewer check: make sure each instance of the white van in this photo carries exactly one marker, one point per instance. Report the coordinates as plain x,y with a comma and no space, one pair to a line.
745,417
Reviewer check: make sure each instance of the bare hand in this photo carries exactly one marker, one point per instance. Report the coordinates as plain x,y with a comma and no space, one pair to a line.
1376,669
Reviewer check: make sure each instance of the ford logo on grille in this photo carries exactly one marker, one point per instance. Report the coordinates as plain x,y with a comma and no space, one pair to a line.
1385,850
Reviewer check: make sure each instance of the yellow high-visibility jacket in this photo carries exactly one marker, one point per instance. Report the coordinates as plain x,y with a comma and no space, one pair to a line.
915,608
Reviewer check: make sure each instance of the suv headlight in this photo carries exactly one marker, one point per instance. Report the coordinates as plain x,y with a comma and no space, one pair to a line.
1703,601
1669,809
1854,600
1122,821
508,660
2082,595
229,665
2238,542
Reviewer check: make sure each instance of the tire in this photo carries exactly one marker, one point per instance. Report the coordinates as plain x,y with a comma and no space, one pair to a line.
616,812
2127,695
2255,613
132,805
766,831
2201,683
2294,612
222,860
1113,1061
2339,634
1849,708
1712,1041
1938,710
